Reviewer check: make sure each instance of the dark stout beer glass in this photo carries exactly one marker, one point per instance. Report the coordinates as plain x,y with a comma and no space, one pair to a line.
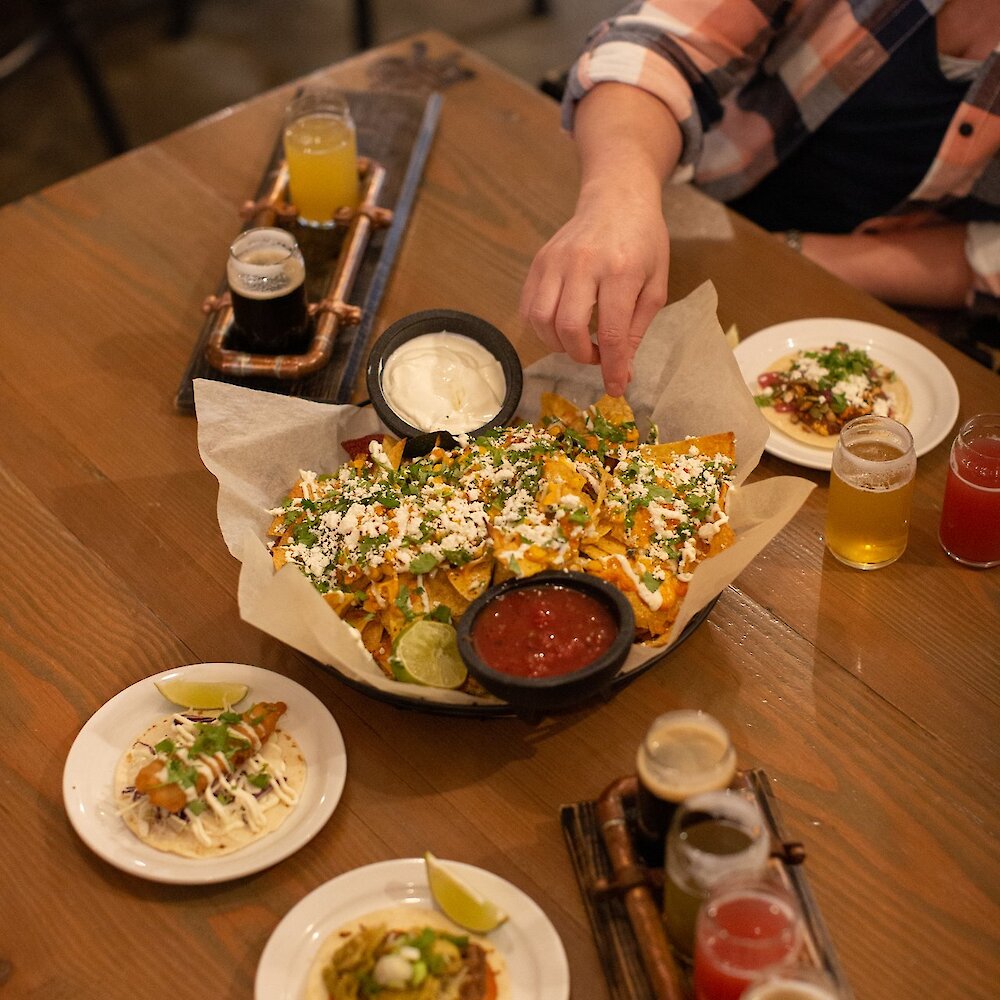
683,753
266,275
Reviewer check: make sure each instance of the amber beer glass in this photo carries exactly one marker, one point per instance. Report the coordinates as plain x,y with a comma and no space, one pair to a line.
871,486
321,151
266,275
683,753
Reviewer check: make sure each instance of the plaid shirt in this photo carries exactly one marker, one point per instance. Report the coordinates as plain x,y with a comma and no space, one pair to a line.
748,80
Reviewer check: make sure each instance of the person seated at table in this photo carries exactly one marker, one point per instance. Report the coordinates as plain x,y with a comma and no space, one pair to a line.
869,138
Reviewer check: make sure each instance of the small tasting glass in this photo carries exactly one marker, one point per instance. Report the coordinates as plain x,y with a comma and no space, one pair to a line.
745,927
798,983
713,836
970,514
321,150
266,275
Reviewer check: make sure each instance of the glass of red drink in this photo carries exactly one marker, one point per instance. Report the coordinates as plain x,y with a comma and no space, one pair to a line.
970,514
745,928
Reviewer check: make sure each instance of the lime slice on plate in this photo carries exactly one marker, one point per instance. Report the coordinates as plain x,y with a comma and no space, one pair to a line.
459,901
202,694
426,652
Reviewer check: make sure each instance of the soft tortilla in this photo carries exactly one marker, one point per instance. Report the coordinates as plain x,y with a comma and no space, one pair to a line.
173,835
400,918
896,390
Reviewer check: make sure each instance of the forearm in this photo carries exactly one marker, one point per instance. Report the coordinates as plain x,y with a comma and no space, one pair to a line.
916,267
610,261
628,143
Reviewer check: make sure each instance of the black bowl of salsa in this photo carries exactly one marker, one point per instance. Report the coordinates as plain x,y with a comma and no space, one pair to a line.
548,641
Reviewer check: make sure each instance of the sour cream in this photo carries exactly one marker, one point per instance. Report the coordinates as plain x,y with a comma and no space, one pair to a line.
444,381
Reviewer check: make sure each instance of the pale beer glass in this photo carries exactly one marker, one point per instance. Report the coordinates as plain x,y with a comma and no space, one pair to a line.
713,836
321,151
871,487
800,983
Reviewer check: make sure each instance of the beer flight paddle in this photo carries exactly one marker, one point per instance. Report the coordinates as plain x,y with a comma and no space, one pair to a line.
346,274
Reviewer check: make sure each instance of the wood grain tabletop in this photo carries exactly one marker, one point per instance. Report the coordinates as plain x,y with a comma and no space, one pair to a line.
870,699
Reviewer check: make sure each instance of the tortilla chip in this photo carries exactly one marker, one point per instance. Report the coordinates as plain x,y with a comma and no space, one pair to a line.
557,408
471,579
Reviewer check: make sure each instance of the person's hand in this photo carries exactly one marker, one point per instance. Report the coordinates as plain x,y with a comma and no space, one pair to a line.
614,254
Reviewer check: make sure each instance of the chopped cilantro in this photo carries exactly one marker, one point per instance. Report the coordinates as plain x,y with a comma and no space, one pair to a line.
304,535
423,563
403,603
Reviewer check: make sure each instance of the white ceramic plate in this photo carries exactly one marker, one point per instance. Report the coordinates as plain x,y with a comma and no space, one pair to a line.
88,778
535,958
932,388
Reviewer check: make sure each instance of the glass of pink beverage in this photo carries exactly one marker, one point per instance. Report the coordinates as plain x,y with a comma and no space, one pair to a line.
970,515
745,928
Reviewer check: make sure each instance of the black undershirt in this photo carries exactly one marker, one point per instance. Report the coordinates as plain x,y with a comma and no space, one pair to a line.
869,154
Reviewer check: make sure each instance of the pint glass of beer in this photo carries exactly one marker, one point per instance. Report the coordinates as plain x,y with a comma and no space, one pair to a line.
322,154
871,485
266,275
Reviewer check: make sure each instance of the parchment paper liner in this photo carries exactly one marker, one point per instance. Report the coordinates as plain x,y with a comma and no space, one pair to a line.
686,380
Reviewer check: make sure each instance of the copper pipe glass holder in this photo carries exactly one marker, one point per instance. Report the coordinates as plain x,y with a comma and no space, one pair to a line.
328,314
606,827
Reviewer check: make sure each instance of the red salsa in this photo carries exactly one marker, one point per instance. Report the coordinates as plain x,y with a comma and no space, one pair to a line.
543,631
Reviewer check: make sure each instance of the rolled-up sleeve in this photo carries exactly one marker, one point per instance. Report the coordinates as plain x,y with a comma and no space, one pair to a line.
687,53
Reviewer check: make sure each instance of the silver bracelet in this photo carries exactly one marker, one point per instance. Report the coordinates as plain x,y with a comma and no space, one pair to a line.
793,239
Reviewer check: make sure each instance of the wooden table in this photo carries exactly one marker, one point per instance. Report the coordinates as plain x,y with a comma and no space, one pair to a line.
870,699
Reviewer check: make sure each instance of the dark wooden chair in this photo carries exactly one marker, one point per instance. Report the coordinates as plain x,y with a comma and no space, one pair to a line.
44,24
364,19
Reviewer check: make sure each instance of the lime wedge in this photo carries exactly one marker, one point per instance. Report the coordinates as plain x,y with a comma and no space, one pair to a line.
202,694
427,653
459,901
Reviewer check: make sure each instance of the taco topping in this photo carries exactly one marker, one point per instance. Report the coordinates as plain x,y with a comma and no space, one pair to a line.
419,963
822,390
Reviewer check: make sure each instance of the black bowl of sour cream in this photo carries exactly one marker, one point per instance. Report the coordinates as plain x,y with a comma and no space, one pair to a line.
443,372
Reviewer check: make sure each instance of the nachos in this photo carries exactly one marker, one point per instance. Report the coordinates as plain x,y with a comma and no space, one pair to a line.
387,540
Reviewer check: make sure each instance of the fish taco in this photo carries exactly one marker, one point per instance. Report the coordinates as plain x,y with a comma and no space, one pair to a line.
205,784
